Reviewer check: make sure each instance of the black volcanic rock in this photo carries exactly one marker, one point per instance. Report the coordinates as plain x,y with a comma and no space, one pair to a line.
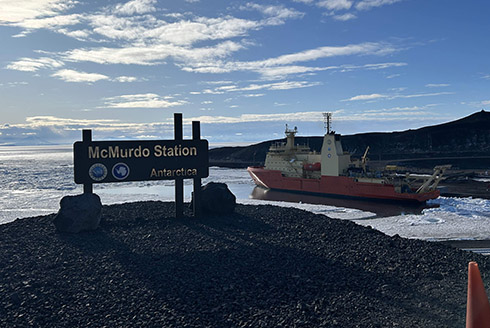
262,266
465,138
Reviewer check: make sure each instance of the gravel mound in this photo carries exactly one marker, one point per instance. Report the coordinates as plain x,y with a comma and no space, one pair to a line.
264,266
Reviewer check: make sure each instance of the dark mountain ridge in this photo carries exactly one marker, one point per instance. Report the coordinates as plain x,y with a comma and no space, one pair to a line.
464,143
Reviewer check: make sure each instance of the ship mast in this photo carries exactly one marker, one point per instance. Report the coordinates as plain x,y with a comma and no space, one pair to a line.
327,121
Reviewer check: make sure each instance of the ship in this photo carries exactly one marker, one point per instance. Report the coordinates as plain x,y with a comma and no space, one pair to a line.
333,173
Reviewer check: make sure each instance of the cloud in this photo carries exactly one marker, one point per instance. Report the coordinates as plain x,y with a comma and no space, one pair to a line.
147,100
276,14
51,23
151,55
283,85
366,48
69,75
335,4
283,65
52,121
206,59
344,17
51,129
369,4
125,79
18,11
437,85
133,21
136,7
247,118
366,97
417,95
34,64
381,96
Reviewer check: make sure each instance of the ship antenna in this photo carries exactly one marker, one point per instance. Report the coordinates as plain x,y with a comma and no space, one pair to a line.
327,120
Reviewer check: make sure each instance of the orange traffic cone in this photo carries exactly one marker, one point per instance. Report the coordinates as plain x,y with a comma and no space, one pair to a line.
477,306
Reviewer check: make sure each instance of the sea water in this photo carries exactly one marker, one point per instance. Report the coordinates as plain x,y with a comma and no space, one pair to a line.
34,179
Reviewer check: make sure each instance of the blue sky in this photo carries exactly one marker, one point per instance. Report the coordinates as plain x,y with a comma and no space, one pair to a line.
244,69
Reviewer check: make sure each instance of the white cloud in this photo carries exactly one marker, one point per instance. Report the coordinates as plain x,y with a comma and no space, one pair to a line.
371,48
368,4
392,76
69,75
148,100
136,7
64,130
52,121
283,85
151,55
277,66
437,85
34,64
276,14
344,17
383,65
366,97
50,23
18,11
283,71
335,4
125,79
378,96
417,95
253,95
246,118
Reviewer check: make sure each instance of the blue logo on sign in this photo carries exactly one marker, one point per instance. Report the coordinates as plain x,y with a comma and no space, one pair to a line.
120,171
97,172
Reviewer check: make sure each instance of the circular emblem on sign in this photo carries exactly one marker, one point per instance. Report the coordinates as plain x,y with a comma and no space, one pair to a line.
329,141
97,172
329,155
120,171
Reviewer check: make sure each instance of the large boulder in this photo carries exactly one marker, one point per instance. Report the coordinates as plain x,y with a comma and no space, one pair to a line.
79,213
216,198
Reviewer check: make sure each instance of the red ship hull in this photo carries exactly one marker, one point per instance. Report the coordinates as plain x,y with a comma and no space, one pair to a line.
335,186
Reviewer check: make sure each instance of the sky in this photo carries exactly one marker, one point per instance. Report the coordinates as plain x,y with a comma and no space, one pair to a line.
243,69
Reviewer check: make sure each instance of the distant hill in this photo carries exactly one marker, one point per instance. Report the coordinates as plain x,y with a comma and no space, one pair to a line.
464,143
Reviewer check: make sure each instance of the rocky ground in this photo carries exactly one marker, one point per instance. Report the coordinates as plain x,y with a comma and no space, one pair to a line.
264,266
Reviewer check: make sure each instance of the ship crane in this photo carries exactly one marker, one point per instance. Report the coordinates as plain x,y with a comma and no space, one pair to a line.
364,159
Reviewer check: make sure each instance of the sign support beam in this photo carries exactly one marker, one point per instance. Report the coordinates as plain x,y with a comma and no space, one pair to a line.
88,188
179,182
196,205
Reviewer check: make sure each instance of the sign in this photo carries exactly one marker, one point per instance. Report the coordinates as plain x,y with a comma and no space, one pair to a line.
121,161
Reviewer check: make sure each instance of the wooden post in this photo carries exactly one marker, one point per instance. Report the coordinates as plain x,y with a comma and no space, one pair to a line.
196,209
179,182
87,137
